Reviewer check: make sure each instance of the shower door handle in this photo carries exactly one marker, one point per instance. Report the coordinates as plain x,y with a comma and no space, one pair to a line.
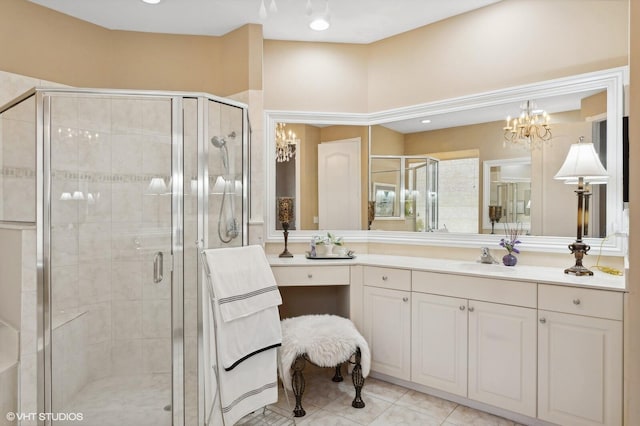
158,261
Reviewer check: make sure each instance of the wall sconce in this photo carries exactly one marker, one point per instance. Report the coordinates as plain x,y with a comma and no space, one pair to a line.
582,166
285,216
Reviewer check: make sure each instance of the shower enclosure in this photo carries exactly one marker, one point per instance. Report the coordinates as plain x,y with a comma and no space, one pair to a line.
125,188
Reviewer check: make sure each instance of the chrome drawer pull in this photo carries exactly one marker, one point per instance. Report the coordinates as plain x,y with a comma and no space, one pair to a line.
543,320
309,276
405,299
576,301
471,309
462,307
385,278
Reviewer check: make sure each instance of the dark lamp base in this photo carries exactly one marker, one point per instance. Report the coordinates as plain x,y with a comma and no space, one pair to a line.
578,270
579,249
285,253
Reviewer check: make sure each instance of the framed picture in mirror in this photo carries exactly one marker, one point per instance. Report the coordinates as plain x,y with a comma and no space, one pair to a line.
385,198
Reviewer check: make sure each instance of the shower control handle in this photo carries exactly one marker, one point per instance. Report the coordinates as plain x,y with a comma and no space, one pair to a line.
158,267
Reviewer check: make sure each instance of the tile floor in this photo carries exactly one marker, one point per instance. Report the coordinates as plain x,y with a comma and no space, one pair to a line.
138,400
329,404
141,400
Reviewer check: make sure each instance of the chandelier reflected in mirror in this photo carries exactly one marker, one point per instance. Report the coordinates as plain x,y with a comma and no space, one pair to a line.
285,143
531,129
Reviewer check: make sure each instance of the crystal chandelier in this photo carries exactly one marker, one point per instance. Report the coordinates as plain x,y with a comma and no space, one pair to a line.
285,143
530,129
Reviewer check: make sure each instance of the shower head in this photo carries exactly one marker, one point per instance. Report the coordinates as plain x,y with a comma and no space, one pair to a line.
218,142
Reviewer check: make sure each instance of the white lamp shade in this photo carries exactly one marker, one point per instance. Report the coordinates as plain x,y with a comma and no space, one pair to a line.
582,162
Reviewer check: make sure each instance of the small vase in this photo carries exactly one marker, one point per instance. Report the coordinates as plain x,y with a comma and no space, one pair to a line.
509,260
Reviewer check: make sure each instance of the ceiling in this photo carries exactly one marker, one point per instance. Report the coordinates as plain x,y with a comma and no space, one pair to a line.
352,21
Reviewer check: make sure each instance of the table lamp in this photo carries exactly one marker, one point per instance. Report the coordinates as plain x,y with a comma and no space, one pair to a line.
582,167
285,216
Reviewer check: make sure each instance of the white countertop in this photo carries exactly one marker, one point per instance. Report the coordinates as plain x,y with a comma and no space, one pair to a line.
538,274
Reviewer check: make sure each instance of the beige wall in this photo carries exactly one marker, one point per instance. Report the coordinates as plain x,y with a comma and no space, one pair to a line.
385,141
41,43
594,105
309,140
632,307
315,76
506,44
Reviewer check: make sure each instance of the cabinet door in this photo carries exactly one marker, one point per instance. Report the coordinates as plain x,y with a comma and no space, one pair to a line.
580,369
387,329
439,342
502,356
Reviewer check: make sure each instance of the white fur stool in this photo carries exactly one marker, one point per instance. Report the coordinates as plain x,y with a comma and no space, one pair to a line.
326,341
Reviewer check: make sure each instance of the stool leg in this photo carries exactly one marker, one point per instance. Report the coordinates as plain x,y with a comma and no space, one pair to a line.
358,381
297,383
338,376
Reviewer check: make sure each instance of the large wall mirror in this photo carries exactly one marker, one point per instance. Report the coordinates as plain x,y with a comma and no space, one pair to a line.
474,167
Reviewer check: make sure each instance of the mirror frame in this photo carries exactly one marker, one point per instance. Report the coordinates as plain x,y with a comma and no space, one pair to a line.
612,80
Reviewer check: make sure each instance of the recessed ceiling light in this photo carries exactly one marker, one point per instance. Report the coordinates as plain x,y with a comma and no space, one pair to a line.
426,121
151,1
319,24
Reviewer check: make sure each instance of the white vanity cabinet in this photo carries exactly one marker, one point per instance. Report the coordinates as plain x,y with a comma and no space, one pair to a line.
439,342
387,320
476,348
504,341
580,356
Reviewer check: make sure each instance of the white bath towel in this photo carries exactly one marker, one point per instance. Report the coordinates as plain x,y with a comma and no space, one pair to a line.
242,281
257,329
245,337
251,386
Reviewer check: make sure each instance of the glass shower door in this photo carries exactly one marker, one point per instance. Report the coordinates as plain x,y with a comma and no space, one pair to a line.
111,283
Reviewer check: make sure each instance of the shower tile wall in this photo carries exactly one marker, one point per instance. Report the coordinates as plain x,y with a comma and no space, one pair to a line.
18,161
16,173
106,226
458,211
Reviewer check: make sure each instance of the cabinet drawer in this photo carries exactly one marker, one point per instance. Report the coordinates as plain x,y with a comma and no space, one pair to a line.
508,292
397,279
311,275
581,301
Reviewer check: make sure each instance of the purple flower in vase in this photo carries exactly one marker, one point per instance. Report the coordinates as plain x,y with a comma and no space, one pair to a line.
511,238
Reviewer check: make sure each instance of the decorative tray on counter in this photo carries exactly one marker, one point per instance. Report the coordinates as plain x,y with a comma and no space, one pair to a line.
349,255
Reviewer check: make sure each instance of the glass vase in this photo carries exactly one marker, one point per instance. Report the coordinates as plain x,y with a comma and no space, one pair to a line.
509,260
